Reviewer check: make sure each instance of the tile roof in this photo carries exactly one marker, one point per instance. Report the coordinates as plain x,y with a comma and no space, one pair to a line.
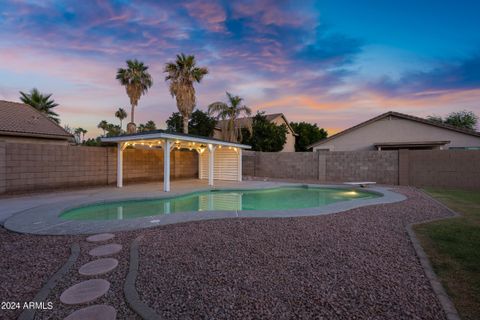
18,119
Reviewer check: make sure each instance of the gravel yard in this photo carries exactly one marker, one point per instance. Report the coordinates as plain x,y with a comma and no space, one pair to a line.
357,264
26,263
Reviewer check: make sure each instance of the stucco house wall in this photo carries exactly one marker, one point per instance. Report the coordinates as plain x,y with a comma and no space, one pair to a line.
395,129
289,145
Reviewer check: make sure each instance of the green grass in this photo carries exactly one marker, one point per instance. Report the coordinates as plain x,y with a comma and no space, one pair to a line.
453,247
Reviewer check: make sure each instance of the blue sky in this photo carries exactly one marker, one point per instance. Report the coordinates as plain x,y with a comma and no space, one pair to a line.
334,63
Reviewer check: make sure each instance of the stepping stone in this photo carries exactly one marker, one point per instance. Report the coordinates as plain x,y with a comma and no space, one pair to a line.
85,291
95,312
100,237
105,250
99,266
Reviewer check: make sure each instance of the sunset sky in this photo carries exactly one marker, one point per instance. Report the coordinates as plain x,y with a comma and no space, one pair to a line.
335,63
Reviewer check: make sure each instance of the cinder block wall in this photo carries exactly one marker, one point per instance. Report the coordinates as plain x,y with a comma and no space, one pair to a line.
290,165
28,167
445,169
420,168
381,167
343,166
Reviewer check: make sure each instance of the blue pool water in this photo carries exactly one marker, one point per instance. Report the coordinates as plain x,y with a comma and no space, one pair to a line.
284,198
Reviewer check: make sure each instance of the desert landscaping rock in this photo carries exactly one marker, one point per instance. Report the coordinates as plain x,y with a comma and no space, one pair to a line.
101,237
98,267
85,291
356,264
95,312
105,250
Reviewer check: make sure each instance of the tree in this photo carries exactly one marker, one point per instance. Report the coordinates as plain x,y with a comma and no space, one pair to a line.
307,134
201,123
265,135
462,119
121,114
182,74
41,102
80,132
68,129
93,142
149,126
137,81
228,113
113,130
103,125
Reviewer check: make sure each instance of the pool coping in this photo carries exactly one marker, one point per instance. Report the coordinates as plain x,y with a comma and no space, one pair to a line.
45,220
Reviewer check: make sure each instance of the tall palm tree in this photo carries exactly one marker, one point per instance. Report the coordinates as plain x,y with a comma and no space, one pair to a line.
121,114
182,74
103,125
137,81
228,113
41,102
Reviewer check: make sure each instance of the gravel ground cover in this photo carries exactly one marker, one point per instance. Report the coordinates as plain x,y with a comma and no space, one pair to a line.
353,265
357,264
26,263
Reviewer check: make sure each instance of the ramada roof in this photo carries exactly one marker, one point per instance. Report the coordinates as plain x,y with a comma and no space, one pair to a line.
402,116
18,119
163,134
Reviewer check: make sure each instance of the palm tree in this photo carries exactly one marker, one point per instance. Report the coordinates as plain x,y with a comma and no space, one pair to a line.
228,113
80,131
121,114
41,102
103,125
149,126
137,81
182,73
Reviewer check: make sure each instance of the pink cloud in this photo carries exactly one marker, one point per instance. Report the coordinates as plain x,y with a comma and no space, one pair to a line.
210,15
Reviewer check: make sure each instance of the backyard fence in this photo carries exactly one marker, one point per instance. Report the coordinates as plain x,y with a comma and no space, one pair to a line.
27,166
435,168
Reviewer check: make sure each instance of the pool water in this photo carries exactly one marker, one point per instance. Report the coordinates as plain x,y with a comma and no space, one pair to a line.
219,200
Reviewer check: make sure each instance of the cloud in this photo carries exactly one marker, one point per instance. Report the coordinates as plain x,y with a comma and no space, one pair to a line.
445,77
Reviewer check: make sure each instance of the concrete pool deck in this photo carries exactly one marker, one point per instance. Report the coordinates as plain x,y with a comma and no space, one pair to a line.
39,214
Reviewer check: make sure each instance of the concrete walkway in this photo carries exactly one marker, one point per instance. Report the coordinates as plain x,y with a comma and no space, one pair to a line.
42,217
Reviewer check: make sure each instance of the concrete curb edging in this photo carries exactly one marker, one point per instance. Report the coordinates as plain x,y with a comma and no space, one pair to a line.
445,301
131,294
29,314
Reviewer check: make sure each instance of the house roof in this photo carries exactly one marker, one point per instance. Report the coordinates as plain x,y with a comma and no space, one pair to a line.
402,116
246,121
163,134
18,119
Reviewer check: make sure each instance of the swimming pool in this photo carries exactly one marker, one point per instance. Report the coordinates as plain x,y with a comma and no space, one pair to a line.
284,198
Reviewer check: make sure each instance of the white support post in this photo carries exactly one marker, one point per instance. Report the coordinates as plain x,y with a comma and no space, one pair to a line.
211,166
239,164
119,165
166,165
199,164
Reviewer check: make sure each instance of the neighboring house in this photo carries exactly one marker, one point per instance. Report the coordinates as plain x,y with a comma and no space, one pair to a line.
277,118
22,123
394,130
